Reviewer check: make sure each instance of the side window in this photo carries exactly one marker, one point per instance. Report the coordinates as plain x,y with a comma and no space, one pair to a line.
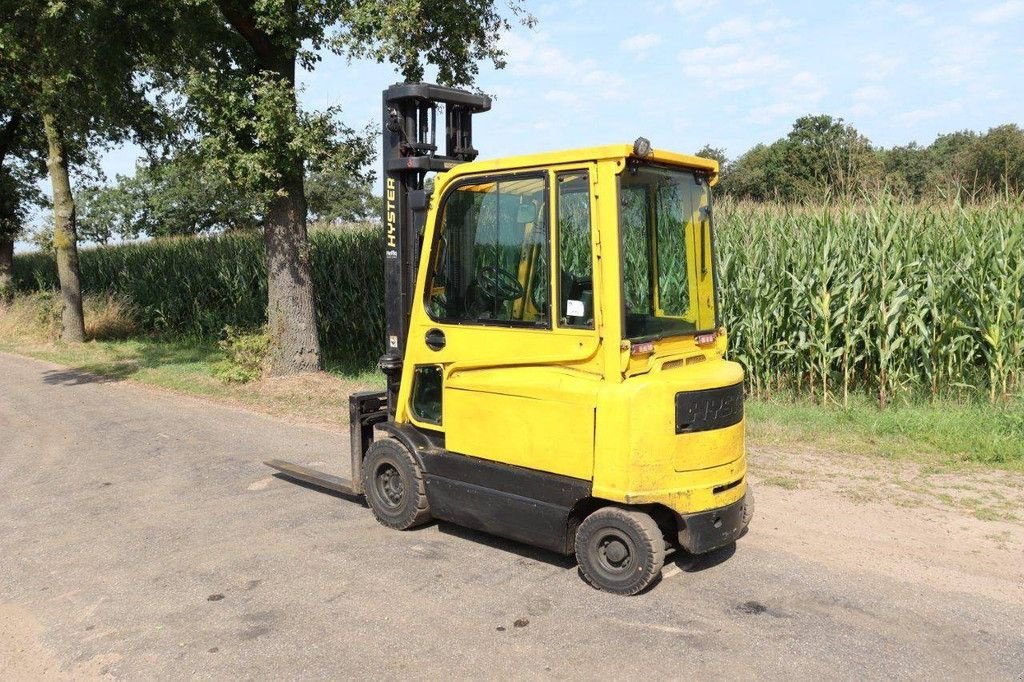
426,394
575,258
491,260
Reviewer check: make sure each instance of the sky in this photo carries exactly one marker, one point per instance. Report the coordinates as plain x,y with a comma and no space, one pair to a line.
685,73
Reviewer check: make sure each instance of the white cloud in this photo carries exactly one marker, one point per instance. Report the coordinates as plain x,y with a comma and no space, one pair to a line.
961,54
569,98
866,100
910,10
916,116
694,8
740,28
1004,11
800,94
532,58
537,58
731,67
640,43
880,66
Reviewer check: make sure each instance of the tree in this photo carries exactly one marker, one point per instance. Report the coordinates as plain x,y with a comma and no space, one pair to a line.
714,153
821,156
177,195
764,173
946,172
906,169
724,167
994,162
185,194
79,66
829,156
19,170
342,189
244,101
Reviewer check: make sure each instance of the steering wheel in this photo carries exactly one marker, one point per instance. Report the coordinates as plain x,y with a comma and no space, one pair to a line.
499,284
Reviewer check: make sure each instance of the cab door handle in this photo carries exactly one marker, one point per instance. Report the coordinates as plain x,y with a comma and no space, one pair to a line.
435,339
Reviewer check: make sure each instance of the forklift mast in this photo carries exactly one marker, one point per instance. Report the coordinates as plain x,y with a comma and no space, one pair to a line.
410,114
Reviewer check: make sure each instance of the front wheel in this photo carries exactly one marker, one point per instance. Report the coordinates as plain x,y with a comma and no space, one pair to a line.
620,550
394,486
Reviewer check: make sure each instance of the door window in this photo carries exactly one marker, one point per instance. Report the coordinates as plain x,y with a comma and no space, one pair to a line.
491,264
575,258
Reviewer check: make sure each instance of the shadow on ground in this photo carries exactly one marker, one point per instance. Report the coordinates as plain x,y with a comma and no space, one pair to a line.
142,356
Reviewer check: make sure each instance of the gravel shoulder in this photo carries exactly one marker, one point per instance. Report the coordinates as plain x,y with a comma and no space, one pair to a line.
141,536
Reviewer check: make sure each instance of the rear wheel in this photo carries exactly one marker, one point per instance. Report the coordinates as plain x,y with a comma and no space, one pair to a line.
394,486
620,550
748,505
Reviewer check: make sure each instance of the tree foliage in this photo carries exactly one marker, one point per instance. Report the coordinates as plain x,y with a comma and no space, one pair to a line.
183,194
240,84
825,157
80,68
178,195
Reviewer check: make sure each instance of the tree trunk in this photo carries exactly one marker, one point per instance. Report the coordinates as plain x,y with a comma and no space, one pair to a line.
65,237
291,309
291,304
6,267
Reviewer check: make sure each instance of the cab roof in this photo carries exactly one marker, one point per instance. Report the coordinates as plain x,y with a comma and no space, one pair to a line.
586,154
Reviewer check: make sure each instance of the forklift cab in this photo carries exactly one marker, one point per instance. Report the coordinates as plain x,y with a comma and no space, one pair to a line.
554,350
565,352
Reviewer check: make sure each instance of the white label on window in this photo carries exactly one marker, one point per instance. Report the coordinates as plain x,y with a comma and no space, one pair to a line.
574,308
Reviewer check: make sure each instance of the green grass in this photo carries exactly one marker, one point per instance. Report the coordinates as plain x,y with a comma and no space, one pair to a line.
936,435
188,367
946,434
942,436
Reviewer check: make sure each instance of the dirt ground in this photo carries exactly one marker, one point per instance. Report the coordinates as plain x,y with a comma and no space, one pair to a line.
140,536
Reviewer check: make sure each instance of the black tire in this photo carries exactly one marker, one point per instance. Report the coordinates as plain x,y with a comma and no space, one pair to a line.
748,505
620,550
394,487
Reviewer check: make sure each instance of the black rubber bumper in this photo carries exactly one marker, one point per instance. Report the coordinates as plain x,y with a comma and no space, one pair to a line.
708,530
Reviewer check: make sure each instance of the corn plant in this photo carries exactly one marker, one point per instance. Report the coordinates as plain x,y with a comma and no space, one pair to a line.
888,299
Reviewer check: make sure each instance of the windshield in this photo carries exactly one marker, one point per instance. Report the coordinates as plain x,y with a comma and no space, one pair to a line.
668,283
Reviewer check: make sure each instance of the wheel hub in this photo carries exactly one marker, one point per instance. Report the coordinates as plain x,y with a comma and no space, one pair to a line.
389,485
614,553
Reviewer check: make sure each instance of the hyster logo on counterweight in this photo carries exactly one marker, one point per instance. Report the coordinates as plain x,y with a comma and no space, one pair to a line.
392,235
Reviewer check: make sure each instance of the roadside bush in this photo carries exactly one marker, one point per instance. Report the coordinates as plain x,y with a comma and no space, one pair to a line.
35,317
29,317
245,355
108,317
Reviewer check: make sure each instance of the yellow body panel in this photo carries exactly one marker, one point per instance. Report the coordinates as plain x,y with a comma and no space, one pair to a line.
639,459
579,402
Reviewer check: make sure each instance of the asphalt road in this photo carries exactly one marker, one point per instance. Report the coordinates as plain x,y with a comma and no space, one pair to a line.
141,537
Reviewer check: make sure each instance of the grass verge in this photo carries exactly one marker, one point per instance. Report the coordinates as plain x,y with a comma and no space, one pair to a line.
947,434
28,327
188,368
943,435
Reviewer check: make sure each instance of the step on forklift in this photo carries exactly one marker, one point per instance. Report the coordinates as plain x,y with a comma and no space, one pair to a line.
554,349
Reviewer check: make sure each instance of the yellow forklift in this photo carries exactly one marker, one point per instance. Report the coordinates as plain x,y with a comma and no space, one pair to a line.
554,349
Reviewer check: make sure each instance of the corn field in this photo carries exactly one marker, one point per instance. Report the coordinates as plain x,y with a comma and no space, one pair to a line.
195,287
896,301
